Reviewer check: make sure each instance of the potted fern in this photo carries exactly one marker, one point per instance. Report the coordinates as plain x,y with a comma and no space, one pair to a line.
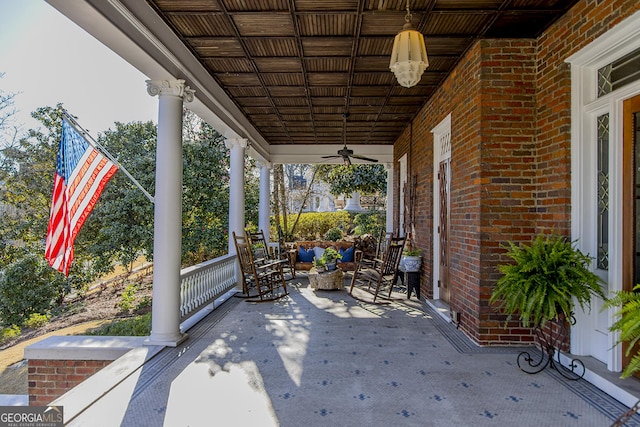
543,285
628,325
547,279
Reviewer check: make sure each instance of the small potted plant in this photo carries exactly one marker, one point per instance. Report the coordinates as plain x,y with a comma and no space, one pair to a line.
411,259
331,257
319,263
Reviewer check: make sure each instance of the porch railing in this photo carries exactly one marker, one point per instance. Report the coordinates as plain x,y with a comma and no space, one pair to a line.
202,283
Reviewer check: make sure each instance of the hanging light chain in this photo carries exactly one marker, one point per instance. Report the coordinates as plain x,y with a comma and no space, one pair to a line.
408,16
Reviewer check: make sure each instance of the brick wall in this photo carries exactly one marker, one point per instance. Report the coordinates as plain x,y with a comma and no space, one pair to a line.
510,106
50,379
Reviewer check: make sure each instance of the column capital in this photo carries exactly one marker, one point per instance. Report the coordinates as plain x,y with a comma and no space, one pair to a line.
264,164
170,87
232,143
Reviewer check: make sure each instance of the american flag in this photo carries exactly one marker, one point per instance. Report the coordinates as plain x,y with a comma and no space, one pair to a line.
81,174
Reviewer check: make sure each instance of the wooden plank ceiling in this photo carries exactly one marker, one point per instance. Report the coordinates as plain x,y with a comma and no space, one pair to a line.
294,67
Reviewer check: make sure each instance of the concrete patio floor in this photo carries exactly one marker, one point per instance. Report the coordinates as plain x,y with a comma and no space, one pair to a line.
323,358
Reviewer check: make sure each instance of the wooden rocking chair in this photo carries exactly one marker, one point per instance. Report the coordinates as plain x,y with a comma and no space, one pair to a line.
381,272
258,240
266,279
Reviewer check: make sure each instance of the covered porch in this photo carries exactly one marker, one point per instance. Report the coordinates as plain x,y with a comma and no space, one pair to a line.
320,358
494,114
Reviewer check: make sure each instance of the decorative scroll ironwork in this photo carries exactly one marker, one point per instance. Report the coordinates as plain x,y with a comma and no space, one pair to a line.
549,339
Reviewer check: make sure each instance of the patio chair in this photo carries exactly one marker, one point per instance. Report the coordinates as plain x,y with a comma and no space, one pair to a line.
285,253
382,272
382,244
266,278
266,255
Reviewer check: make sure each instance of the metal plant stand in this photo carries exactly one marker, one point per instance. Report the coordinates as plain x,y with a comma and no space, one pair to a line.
549,341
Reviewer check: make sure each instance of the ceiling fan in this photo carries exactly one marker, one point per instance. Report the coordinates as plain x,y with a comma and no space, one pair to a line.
346,153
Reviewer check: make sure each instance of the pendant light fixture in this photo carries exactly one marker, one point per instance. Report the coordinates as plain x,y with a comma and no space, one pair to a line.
409,55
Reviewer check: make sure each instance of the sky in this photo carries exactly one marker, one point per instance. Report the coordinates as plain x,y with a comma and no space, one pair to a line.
47,59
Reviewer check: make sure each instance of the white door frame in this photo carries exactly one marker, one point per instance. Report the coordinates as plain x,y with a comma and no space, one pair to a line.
403,184
585,108
441,151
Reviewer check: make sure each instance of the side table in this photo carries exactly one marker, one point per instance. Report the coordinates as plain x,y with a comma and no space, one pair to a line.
326,280
412,280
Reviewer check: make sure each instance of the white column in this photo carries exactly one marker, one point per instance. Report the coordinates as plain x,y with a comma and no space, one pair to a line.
264,209
389,168
236,147
167,227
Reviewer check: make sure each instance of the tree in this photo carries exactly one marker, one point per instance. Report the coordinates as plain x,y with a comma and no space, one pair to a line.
205,198
120,228
366,179
9,131
28,285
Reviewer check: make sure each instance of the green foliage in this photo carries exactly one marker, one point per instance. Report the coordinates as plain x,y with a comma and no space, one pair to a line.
372,222
128,297
333,234
313,225
138,326
37,320
330,255
366,179
27,286
412,252
27,177
120,228
205,197
144,303
628,325
544,279
9,333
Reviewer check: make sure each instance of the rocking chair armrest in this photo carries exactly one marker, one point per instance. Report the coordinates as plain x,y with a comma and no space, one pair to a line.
270,264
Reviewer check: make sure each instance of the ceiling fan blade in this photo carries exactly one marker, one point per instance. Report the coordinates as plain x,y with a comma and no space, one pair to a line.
330,157
368,159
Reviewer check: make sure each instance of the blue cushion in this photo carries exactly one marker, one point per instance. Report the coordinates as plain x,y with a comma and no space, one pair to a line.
318,252
305,255
347,254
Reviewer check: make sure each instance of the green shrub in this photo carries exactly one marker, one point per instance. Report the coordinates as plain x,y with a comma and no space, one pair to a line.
313,225
127,298
144,303
138,326
9,333
371,222
37,320
27,286
333,234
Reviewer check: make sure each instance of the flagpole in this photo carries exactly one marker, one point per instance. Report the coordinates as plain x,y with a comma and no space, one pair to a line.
104,151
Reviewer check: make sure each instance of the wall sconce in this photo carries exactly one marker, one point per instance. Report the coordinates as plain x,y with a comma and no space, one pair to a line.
409,55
